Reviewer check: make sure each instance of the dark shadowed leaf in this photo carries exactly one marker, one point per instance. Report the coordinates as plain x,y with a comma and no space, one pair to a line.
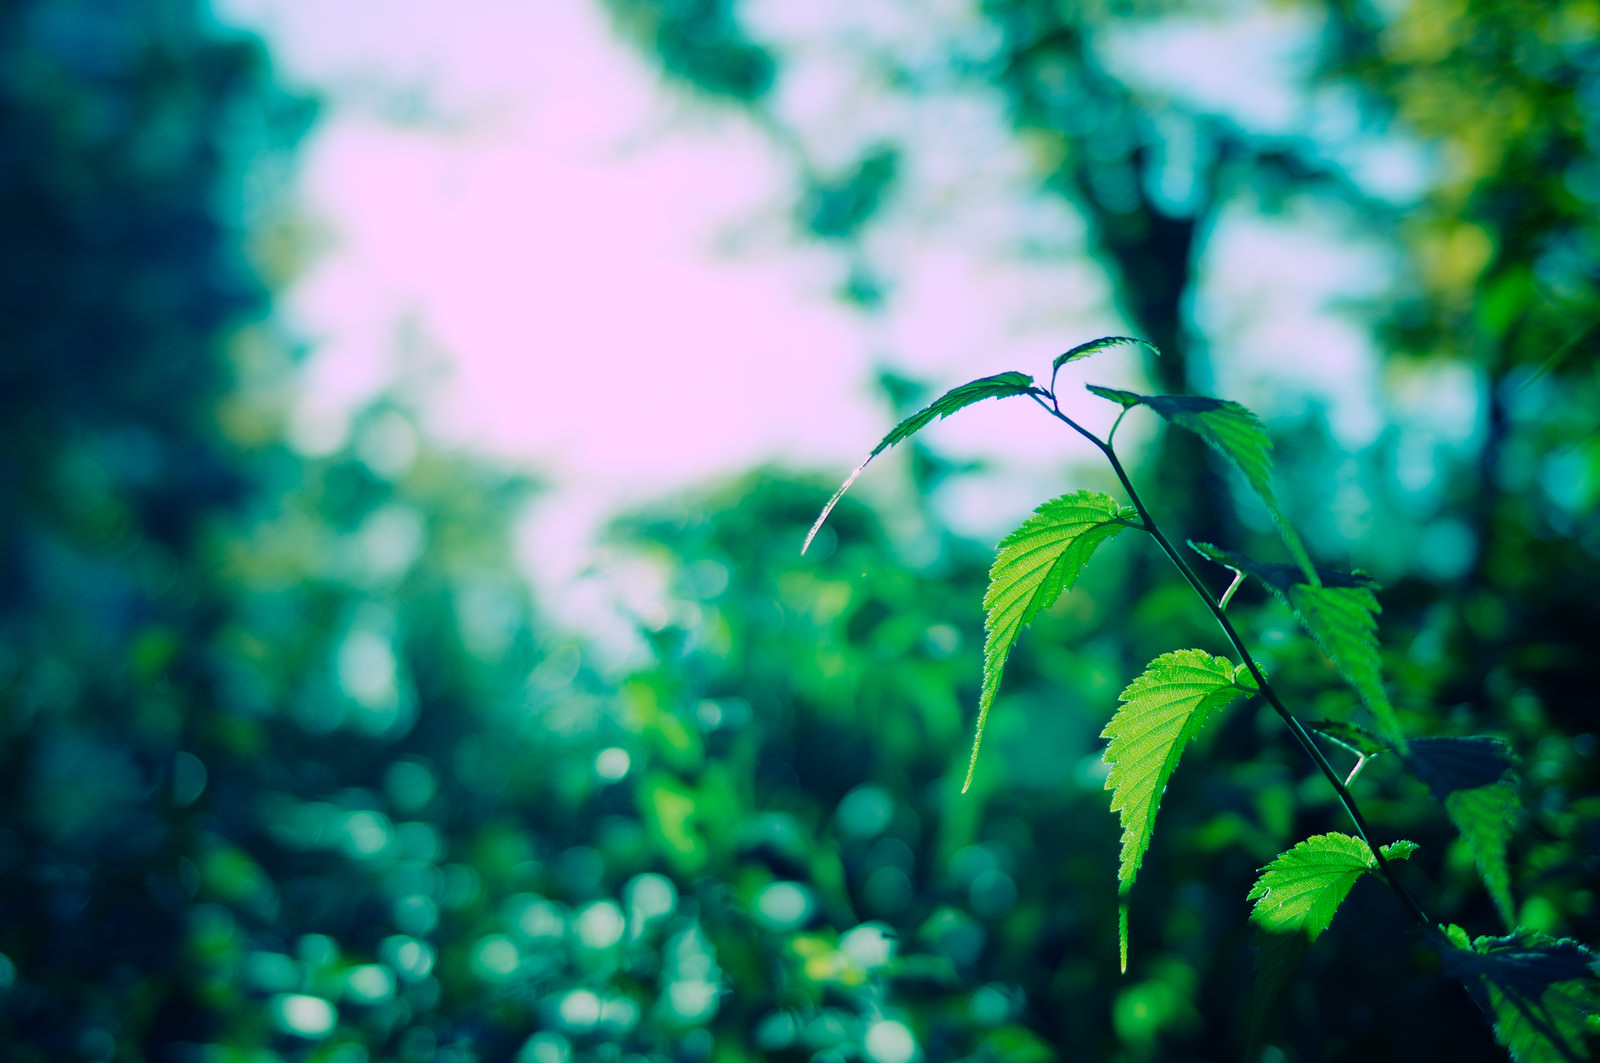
1357,740
1475,778
1541,993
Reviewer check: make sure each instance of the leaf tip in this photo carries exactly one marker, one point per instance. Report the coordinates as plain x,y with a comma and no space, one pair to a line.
1122,935
822,517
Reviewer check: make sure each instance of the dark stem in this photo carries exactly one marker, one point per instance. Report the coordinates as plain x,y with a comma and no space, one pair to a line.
1296,728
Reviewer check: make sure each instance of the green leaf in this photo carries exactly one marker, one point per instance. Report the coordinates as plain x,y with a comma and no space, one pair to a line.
1340,615
1296,898
999,386
1161,711
1476,780
1084,350
1236,434
1033,565
1125,399
1361,742
1541,993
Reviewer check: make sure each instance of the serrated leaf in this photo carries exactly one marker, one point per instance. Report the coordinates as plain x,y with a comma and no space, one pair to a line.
1084,350
1541,993
1343,621
1475,779
1125,399
1238,435
1160,712
999,386
1296,898
1340,615
1032,566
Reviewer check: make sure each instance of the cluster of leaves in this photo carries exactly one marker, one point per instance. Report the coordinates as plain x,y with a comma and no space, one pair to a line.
1542,993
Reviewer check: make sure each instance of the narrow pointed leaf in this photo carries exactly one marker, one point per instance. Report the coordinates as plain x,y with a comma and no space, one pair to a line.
1084,350
1160,712
1343,621
1356,739
1125,399
1476,780
1340,615
1295,900
999,386
1541,993
1033,565
1238,435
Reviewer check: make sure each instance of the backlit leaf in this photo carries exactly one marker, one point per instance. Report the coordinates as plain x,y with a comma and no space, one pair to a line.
1236,434
1475,778
999,386
1295,900
1161,711
1125,399
1541,993
1084,350
1033,565
1340,615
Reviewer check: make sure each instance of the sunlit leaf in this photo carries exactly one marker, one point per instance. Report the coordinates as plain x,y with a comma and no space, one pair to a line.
999,386
1033,565
1161,711
1541,993
1236,434
1475,778
1295,900
1340,615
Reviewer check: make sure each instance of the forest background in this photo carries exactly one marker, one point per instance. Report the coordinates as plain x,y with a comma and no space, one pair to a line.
293,764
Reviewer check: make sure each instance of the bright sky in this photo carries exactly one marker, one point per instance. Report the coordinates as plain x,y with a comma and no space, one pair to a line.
608,266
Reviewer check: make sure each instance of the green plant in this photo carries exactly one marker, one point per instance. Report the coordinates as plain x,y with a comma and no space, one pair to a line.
1541,993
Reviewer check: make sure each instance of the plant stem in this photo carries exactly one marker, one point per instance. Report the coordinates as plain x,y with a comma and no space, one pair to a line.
1296,728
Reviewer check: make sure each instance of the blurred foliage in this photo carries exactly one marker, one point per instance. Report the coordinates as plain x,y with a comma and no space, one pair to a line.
1489,544
292,769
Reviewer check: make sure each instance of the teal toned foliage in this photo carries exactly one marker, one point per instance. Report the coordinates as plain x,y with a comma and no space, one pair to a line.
1476,779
